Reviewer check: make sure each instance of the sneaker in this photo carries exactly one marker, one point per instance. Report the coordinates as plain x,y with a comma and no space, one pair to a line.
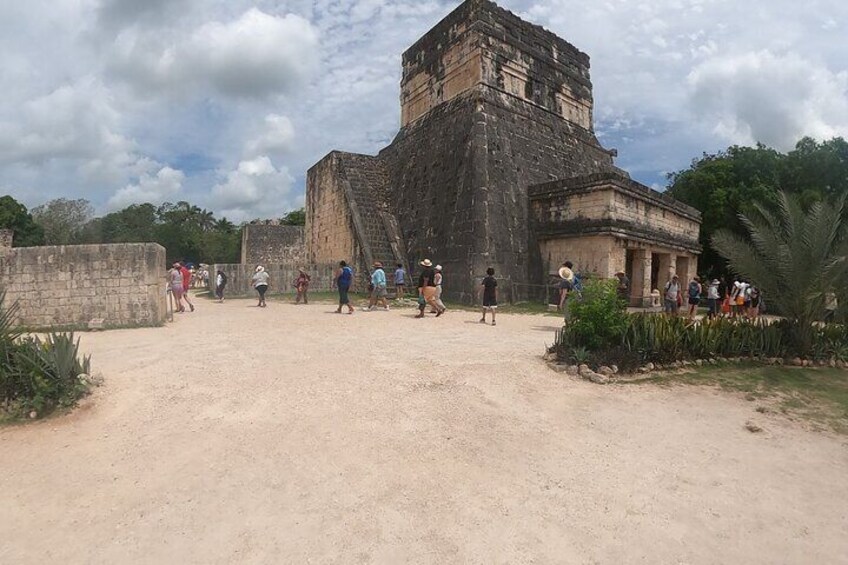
191,306
386,308
493,323
439,313
482,320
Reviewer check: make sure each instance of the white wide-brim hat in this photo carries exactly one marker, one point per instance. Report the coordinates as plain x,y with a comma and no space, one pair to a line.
426,263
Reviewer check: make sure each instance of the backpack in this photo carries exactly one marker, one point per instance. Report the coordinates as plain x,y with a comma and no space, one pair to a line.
694,290
346,275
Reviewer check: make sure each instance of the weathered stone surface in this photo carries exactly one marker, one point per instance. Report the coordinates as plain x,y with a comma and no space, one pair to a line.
265,244
490,106
604,370
116,285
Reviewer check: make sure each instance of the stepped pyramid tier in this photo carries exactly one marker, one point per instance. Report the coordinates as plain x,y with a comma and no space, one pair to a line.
490,106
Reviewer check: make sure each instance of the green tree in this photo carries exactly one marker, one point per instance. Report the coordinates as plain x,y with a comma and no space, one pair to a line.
133,224
294,218
63,220
14,216
721,186
794,256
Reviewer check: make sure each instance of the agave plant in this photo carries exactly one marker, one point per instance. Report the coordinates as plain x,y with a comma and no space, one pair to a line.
793,256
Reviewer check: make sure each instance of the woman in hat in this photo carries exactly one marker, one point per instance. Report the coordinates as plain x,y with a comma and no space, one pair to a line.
427,288
260,283
378,292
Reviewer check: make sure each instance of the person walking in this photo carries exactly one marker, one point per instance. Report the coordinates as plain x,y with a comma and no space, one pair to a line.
489,290
187,275
567,285
694,291
438,280
379,292
427,287
220,285
260,283
175,285
343,281
713,298
400,282
672,298
301,285
753,303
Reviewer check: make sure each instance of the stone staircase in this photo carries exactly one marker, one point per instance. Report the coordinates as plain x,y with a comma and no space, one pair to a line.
376,226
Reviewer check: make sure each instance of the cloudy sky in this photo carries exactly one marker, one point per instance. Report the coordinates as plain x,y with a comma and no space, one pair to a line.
226,103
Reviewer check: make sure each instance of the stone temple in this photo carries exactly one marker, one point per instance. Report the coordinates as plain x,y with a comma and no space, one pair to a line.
496,164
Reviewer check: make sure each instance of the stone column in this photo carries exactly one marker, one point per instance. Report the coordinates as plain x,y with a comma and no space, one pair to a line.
6,238
684,271
668,267
641,284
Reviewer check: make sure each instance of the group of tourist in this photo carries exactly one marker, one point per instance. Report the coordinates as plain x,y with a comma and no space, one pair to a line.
739,299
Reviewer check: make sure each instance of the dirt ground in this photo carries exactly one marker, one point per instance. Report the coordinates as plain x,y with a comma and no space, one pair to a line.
294,435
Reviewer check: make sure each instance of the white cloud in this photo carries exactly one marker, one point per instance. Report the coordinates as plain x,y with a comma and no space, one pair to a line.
74,121
256,189
254,56
768,98
165,185
276,136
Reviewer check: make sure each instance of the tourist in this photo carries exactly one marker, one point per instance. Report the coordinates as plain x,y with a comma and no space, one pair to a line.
378,284
301,285
831,305
343,281
713,298
737,297
672,298
566,286
489,289
623,288
438,280
695,290
187,274
400,282
427,288
220,284
175,285
260,283
754,301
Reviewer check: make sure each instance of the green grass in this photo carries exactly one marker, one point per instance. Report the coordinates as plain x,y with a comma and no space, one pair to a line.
816,395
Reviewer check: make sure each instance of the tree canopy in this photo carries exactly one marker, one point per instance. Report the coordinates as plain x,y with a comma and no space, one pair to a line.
63,220
731,182
14,216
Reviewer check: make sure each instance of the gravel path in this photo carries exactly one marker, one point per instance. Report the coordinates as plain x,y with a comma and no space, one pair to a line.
294,435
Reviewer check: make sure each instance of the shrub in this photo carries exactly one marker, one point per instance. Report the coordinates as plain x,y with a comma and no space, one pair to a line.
598,317
37,375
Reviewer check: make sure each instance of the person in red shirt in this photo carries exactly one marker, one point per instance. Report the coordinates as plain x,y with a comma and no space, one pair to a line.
186,285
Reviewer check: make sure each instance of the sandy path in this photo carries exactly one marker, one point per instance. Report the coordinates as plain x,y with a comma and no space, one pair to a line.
292,435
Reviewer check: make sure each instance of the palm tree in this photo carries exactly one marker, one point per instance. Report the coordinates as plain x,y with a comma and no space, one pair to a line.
793,256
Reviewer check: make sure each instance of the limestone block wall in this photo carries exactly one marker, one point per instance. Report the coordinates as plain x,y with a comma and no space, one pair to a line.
601,256
330,235
282,276
269,243
69,286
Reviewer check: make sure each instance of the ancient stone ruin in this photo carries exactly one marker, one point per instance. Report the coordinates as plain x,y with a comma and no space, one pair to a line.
84,286
496,164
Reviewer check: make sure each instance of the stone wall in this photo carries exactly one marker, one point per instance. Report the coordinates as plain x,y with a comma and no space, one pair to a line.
282,276
330,234
601,256
119,285
270,243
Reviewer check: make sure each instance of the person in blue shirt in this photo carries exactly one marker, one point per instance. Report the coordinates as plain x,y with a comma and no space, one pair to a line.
400,282
378,281
343,279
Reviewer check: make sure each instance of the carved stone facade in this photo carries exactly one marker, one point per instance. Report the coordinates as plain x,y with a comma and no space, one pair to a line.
490,106
607,223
